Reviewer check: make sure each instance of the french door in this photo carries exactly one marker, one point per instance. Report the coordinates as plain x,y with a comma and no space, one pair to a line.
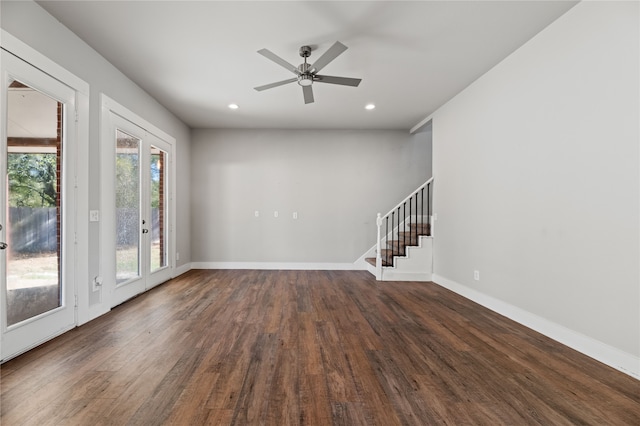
37,213
139,211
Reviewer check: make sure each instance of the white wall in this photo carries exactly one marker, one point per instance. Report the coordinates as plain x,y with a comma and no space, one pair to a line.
335,180
536,167
31,24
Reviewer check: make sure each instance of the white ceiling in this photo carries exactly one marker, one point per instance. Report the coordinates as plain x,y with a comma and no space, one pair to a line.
196,57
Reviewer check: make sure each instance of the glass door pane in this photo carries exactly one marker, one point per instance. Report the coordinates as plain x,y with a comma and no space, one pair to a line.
158,240
127,207
34,208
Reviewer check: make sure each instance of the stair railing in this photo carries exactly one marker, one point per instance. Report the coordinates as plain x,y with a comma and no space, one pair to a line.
400,222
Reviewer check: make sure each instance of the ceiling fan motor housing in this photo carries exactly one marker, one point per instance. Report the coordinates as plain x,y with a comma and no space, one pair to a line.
304,68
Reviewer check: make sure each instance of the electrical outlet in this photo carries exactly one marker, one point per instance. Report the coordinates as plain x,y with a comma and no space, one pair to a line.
94,215
256,213
476,275
177,255
295,215
275,214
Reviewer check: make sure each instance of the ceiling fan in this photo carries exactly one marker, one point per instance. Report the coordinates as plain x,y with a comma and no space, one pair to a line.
307,74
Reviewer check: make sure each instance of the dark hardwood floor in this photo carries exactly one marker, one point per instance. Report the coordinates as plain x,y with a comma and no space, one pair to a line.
312,348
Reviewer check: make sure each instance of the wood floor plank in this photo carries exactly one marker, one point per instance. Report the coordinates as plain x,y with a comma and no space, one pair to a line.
228,347
337,371
315,408
401,390
378,408
284,394
255,393
232,369
190,407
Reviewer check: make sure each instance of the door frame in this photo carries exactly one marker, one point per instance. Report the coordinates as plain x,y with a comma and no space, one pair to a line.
76,171
107,223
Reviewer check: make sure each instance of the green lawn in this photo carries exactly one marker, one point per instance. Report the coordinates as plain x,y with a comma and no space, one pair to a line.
127,262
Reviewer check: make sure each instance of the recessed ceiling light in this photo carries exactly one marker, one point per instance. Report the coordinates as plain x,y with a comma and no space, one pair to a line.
233,106
369,106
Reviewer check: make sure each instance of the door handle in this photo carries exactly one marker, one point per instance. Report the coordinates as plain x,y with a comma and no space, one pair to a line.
3,246
145,231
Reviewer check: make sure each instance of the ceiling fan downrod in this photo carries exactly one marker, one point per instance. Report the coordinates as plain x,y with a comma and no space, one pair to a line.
304,77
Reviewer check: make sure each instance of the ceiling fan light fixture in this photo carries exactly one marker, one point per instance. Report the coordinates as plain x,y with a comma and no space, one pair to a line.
305,80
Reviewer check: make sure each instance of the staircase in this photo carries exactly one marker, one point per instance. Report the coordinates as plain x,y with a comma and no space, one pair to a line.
399,247
404,248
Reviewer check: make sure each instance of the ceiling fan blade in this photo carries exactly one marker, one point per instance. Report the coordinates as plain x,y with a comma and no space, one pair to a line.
276,84
278,60
307,91
344,81
328,56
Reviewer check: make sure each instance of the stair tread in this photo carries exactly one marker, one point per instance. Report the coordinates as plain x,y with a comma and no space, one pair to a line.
372,261
413,233
388,253
420,224
403,242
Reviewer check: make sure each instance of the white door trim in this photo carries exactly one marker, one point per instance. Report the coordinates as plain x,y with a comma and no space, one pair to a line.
42,62
77,201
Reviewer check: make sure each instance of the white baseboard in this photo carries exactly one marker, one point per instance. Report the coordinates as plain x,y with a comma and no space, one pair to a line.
34,345
288,266
389,274
179,270
92,312
593,348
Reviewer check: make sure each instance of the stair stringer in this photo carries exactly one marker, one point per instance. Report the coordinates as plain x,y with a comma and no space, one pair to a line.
416,265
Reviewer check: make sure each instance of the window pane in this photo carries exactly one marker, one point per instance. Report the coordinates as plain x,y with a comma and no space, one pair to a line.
158,209
127,207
